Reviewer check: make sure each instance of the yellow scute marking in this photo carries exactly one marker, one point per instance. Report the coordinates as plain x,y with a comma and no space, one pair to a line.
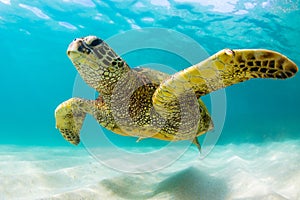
197,79
208,73
219,65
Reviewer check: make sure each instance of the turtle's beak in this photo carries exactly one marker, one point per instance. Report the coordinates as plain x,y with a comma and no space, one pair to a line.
83,45
77,48
74,46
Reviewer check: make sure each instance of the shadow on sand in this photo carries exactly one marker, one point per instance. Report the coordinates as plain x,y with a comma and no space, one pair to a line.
188,184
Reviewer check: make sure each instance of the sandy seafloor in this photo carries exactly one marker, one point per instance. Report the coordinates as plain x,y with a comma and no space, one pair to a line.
244,171
258,155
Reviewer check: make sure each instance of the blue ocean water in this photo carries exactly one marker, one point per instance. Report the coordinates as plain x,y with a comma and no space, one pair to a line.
36,76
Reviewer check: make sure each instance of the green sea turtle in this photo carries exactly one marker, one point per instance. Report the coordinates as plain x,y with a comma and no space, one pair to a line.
146,103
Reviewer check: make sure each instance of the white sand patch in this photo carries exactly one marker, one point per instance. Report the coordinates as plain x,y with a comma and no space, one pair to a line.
247,171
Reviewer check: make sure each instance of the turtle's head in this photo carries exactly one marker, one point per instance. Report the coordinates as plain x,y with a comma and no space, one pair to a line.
98,65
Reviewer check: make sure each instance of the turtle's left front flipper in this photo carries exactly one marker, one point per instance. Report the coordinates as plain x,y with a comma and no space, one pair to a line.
69,117
225,68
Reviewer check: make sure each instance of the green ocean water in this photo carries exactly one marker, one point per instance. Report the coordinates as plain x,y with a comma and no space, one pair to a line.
261,116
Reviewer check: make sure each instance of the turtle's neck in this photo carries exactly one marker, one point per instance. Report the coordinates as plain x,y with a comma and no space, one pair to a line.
98,64
110,77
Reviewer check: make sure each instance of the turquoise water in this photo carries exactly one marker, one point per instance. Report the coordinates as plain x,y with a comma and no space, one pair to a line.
36,76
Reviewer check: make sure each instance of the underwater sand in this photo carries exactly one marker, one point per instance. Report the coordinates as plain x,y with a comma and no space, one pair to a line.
244,171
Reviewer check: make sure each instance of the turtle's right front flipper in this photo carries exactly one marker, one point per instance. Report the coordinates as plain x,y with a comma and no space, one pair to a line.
69,117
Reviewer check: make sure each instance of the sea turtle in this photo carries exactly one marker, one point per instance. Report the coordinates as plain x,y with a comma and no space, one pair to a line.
146,103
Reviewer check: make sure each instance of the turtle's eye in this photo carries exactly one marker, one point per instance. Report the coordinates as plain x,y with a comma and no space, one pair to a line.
96,42
83,49
80,48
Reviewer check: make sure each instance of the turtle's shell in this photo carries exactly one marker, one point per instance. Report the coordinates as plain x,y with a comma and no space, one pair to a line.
132,109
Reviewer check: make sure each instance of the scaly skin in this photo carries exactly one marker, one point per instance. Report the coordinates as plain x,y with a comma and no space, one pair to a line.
225,68
125,104
146,103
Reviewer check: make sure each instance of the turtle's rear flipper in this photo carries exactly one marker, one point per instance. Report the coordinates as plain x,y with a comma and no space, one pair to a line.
69,117
196,142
